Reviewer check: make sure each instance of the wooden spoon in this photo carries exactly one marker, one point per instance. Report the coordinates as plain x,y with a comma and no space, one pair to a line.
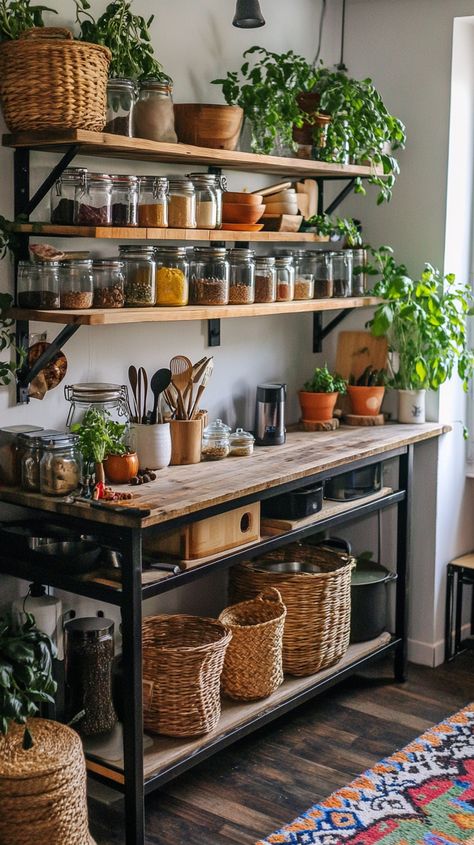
143,390
207,375
160,381
181,371
198,371
133,379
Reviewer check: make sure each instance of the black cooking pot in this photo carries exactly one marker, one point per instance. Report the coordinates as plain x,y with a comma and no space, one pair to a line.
369,600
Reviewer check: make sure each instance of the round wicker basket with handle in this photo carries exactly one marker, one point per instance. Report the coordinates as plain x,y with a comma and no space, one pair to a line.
253,666
182,664
318,604
50,81
43,789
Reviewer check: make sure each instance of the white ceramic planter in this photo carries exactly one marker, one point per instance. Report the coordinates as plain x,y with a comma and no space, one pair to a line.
152,444
411,406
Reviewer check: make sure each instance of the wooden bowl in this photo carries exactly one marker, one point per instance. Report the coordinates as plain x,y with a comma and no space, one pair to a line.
214,126
242,198
234,212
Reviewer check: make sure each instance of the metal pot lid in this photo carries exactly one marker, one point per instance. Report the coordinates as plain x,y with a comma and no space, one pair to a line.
91,627
369,572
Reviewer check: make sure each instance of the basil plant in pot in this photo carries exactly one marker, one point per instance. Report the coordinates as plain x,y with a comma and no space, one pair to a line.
103,444
425,322
319,395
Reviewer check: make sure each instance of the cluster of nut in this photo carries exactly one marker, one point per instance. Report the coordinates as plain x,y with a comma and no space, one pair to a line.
143,477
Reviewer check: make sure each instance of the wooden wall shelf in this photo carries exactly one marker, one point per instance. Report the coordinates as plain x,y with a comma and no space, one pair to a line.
138,233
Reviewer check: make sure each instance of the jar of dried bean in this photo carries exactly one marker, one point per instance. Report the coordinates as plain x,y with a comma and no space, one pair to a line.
124,200
61,466
38,285
359,272
63,195
76,284
139,269
342,268
304,273
323,275
181,204
209,273
215,441
285,278
153,201
265,279
89,656
172,275
121,94
108,283
94,201
242,276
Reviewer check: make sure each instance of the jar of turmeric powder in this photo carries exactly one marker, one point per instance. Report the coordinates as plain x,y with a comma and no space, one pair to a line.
153,201
172,275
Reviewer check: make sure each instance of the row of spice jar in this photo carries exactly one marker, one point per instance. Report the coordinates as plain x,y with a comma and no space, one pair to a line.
100,199
42,461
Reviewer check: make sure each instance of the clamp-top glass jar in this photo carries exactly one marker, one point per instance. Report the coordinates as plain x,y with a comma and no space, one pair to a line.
359,278
121,95
209,276
111,398
217,184
153,115
108,283
215,441
76,284
139,268
38,285
304,273
323,275
60,466
265,279
94,200
342,265
30,447
242,276
63,195
153,201
172,275
124,200
285,278
181,204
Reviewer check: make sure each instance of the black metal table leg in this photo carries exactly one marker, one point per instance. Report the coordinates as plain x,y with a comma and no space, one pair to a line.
448,634
458,613
132,689
403,559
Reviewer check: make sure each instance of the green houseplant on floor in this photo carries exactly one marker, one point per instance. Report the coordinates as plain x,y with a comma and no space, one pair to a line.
319,395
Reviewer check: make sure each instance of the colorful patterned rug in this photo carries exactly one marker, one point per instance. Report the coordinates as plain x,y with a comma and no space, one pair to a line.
422,795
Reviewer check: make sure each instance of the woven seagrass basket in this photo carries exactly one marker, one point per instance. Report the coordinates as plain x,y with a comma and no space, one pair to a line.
43,789
318,619
253,666
182,664
49,81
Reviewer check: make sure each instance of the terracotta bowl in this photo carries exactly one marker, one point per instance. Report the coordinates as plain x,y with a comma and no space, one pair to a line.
235,212
242,198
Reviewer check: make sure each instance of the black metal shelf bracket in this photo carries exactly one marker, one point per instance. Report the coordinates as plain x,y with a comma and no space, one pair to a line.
340,197
320,332
26,375
214,332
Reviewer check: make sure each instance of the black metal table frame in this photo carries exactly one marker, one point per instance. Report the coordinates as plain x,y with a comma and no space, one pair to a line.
132,594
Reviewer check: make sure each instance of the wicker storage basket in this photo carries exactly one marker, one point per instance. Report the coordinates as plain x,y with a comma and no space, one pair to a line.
43,789
253,665
182,664
317,625
49,81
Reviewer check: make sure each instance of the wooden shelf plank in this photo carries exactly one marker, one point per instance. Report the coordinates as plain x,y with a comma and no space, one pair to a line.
120,316
118,146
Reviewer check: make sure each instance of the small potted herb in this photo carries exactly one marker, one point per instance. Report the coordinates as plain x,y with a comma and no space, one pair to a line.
103,444
367,391
319,395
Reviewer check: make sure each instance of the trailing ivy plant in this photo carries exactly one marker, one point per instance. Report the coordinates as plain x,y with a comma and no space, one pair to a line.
425,322
323,381
26,673
18,15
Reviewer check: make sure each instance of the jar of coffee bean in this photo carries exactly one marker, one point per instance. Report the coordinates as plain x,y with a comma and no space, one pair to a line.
89,663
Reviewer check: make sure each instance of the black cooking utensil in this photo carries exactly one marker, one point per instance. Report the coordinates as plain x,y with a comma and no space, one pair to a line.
160,381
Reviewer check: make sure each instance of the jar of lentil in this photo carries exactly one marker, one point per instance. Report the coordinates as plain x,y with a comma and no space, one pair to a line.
241,443
121,95
76,284
181,204
206,200
304,273
172,275
153,201
109,283
342,268
139,270
215,441
359,273
89,656
60,466
285,278
63,195
209,271
323,275
153,115
242,276
265,279
94,201
38,285
124,200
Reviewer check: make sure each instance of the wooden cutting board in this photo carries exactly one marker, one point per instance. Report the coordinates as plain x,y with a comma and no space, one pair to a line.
358,350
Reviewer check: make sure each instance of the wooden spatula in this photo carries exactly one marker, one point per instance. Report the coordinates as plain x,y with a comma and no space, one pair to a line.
181,372
207,375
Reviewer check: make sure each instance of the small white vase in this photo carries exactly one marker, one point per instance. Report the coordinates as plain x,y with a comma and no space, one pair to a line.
411,406
152,443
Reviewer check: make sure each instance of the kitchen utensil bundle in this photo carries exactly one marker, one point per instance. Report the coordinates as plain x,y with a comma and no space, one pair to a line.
188,384
139,387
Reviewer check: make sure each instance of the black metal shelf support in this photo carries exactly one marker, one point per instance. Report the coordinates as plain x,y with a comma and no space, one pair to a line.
320,332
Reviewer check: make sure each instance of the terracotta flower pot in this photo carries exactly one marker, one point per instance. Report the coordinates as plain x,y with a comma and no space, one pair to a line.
317,407
366,401
119,469
212,125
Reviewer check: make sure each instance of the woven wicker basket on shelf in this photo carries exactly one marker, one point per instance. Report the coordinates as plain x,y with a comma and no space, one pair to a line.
317,625
43,789
253,666
49,81
182,664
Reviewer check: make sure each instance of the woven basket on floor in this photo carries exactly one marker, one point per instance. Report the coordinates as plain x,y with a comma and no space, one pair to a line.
253,666
43,789
182,664
49,81
317,625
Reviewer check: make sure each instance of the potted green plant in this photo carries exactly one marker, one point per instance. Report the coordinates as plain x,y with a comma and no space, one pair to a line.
102,442
319,395
16,16
367,391
424,321
336,228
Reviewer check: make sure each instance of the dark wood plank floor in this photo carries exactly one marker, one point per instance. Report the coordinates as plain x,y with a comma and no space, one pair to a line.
252,788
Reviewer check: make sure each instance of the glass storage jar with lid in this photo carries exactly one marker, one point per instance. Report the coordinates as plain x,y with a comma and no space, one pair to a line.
30,445
153,115
76,284
11,452
304,273
60,466
342,269
139,270
121,95
241,443
94,200
219,185
153,201
111,398
206,200
89,661
63,195
124,200
209,272
359,278
38,285
265,278
323,275
181,204
285,278
242,276
108,283
215,441
172,275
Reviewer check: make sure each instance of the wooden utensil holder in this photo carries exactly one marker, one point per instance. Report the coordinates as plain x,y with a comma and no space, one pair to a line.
186,439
